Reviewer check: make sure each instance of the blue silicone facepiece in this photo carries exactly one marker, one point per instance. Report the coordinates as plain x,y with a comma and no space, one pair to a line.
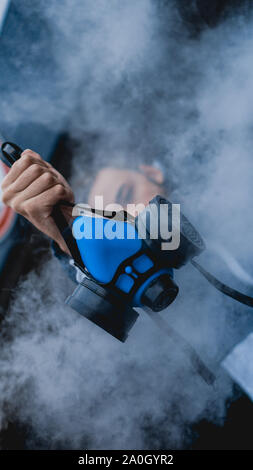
104,244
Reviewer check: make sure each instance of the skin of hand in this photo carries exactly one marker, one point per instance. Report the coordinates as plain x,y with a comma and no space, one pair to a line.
31,188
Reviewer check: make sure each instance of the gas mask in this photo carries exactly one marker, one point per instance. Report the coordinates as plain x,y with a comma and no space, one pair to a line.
125,266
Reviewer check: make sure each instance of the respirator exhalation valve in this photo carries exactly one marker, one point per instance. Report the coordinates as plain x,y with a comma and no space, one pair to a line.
160,293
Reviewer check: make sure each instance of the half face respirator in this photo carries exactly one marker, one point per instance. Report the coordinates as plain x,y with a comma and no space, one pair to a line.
123,270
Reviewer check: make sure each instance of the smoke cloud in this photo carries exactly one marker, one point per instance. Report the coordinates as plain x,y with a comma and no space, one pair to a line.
132,74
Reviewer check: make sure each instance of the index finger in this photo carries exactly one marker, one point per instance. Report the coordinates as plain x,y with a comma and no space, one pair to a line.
28,157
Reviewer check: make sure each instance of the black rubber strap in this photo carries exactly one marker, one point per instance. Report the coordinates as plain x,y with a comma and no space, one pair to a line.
66,234
235,294
10,153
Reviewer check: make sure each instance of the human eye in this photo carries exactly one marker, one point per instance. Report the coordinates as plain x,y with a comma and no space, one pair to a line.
124,194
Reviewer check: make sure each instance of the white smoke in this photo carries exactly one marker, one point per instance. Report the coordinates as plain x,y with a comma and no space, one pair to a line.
130,72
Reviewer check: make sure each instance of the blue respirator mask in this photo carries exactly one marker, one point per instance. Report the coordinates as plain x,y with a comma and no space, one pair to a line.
124,267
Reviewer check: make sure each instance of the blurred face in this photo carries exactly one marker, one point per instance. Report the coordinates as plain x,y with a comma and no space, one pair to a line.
122,186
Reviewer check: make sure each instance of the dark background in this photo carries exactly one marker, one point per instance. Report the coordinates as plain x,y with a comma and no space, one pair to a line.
19,31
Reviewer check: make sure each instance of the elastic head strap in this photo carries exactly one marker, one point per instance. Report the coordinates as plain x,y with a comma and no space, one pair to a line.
67,235
235,294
